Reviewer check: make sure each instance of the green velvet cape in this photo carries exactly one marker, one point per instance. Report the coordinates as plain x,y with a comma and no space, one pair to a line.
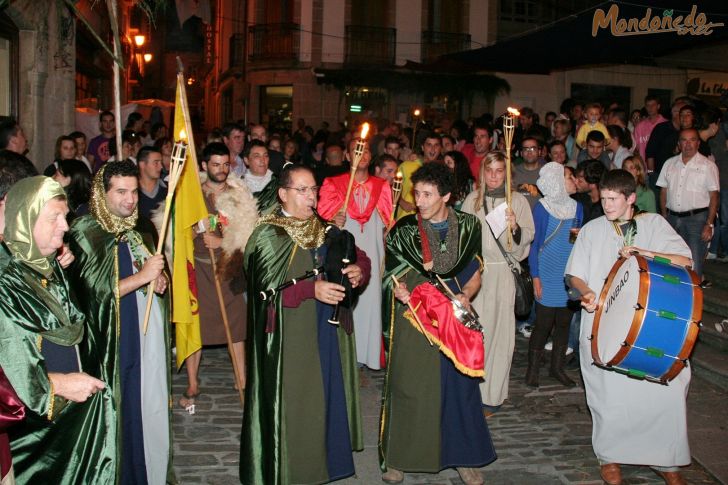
267,198
95,278
411,360
269,255
60,442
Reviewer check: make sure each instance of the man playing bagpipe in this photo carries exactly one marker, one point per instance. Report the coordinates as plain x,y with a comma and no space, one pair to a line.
302,419
432,417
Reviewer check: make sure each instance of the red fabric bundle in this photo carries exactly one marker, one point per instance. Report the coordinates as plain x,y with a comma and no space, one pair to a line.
463,346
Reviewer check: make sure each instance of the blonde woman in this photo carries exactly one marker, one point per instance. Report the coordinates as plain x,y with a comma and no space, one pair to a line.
645,197
496,298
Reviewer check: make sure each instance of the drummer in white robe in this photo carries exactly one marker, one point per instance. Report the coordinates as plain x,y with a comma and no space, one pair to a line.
635,422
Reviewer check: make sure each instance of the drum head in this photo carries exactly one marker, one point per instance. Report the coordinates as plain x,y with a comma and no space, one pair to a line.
617,308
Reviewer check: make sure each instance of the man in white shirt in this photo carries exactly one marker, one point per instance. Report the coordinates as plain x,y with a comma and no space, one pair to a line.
690,194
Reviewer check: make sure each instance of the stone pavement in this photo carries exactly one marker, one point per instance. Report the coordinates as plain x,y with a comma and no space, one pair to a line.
541,436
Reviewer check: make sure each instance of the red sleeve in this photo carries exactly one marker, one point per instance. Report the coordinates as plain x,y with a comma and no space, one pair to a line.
294,295
384,205
330,199
363,261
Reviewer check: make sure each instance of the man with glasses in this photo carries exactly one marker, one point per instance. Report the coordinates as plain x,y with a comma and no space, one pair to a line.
368,213
302,418
525,174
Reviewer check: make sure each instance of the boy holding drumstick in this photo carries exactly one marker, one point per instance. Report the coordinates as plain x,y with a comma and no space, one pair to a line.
635,422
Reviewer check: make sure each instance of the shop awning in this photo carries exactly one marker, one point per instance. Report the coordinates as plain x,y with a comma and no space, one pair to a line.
648,32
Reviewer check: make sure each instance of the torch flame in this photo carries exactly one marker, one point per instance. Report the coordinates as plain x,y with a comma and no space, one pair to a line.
513,111
399,176
417,112
364,131
182,135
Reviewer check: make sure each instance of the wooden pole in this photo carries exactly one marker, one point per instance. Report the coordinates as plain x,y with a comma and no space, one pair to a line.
111,7
508,130
358,153
174,173
414,314
226,324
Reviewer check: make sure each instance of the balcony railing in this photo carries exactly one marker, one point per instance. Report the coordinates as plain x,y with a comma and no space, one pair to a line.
435,44
370,45
274,41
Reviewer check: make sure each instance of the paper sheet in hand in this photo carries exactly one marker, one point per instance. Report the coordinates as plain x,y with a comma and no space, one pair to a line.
496,219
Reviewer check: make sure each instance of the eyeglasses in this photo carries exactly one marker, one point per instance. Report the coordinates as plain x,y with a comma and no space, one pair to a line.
304,190
529,149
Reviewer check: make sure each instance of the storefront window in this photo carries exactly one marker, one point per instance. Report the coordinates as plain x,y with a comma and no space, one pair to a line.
276,107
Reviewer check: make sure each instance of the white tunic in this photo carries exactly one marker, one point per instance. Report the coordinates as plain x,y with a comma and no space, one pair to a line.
635,422
367,313
494,302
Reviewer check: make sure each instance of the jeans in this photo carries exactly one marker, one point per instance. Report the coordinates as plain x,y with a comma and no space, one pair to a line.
574,330
719,244
690,229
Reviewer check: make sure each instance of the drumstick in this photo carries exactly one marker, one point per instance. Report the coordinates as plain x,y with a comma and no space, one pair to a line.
417,319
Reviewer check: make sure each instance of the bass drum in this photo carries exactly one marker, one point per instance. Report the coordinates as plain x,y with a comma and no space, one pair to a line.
647,319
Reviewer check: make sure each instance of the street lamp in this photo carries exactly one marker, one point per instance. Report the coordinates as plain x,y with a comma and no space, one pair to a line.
139,40
147,57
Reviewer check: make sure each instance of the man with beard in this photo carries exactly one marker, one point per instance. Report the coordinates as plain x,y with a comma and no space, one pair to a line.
231,205
367,215
114,265
302,417
432,417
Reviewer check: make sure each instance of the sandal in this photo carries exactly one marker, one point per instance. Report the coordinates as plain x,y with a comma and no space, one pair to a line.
187,402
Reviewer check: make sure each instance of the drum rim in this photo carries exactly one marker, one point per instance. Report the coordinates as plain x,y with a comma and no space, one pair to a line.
693,330
637,319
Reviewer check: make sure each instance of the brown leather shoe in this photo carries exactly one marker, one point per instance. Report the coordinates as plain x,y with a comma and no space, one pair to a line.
672,478
393,476
611,474
470,476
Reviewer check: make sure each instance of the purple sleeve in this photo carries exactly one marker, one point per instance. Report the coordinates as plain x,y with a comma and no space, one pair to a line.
294,295
365,264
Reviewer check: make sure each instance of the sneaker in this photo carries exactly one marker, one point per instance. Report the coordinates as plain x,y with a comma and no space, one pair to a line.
711,256
525,330
706,284
549,345
722,326
569,351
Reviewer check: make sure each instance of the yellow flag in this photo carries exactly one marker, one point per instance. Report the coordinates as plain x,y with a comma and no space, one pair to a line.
189,208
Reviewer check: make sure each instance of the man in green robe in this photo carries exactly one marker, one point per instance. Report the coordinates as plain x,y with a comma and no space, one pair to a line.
114,265
65,438
432,417
302,417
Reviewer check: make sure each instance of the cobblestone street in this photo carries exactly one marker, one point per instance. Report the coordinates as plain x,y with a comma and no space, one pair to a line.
541,437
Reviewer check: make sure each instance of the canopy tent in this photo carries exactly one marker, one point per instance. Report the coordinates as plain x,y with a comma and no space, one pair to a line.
87,119
647,32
